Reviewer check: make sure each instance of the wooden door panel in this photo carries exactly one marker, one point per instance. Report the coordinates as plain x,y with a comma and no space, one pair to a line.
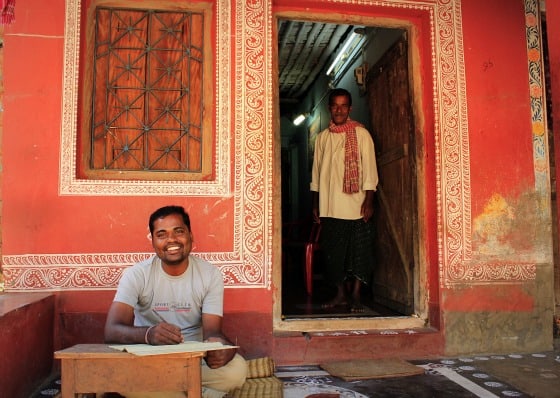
395,218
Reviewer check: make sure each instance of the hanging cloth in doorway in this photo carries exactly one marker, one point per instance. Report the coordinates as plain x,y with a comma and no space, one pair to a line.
351,171
7,11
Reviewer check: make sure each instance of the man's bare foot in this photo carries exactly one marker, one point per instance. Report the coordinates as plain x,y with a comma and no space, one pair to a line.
335,302
357,307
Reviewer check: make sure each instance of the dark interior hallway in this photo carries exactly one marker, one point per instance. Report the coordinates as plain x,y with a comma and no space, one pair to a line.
296,302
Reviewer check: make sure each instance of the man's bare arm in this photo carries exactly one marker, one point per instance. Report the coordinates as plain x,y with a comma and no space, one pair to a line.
120,328
212,331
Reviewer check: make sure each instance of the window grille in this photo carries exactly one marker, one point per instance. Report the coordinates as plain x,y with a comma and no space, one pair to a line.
147,93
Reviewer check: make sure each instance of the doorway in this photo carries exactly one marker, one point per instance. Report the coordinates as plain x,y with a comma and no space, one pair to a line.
376,74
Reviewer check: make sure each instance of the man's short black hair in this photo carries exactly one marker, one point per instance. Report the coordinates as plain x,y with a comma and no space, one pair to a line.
167,211
339,92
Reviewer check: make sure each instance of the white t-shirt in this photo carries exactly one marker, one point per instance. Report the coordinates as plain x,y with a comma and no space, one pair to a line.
180,300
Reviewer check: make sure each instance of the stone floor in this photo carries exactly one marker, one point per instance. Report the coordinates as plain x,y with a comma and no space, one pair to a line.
512,375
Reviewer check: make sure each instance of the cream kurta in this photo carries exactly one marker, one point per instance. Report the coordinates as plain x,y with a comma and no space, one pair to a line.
328,174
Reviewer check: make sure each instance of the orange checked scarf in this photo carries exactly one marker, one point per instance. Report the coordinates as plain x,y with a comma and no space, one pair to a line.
351,170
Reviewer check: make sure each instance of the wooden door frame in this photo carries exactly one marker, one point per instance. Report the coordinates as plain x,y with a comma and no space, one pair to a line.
422,289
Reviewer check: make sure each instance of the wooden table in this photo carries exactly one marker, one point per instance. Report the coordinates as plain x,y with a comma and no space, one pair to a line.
91,368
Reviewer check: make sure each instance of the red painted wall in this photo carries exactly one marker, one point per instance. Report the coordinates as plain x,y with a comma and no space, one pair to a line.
501,148
500,139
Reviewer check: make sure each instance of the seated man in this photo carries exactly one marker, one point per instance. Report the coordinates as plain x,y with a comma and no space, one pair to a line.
175,297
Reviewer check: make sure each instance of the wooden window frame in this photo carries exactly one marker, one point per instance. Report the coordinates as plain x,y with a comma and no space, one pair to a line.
84,144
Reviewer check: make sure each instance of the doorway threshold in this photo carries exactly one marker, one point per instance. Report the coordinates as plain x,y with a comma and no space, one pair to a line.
334,315
408,324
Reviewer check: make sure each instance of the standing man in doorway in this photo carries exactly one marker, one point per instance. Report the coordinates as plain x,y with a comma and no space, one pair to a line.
344,179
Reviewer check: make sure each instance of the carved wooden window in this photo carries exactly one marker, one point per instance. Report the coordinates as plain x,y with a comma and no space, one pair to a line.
144,115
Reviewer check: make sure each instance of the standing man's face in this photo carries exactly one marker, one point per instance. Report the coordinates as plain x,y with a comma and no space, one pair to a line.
172,239
340,109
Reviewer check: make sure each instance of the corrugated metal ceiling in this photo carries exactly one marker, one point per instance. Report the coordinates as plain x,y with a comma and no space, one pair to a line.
304,49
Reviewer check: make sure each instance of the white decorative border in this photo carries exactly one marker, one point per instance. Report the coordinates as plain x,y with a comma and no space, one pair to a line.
103,270
253,113
70,184
537,98
452,145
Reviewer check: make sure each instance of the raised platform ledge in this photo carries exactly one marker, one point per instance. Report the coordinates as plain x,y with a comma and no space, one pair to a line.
26,341
12,301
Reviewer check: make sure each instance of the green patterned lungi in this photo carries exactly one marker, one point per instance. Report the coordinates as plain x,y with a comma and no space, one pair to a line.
347,249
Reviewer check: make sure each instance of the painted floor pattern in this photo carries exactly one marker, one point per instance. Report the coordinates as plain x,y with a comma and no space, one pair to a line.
457,377
514,375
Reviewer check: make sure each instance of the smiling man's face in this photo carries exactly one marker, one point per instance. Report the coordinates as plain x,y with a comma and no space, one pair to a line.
340,108
172,240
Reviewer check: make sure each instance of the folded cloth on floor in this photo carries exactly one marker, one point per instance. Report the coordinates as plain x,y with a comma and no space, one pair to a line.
260,367
263,387
361,369
261,382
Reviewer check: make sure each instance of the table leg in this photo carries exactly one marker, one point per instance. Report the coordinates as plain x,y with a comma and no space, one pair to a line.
68,377
194,380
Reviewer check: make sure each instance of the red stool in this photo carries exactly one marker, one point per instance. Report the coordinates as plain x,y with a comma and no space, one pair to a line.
311,247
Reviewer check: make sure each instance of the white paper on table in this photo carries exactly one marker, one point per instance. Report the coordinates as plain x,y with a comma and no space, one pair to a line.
187,346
